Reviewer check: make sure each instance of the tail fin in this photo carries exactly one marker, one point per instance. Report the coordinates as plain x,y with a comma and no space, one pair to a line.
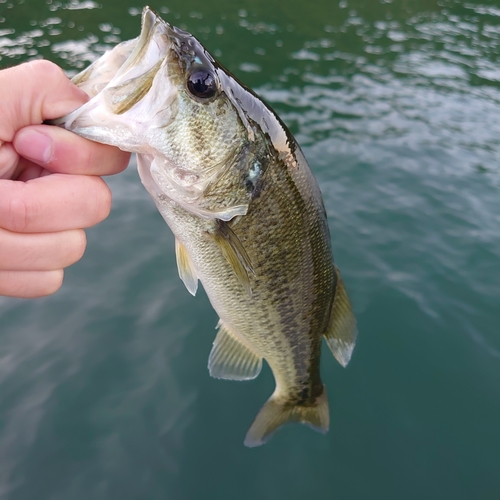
277,412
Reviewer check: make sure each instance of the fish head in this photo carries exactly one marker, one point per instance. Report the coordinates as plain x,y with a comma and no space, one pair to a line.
163,96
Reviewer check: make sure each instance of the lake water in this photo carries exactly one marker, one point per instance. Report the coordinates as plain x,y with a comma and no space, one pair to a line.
105,394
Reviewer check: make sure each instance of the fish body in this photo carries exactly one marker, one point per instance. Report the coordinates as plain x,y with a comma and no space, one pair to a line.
234,187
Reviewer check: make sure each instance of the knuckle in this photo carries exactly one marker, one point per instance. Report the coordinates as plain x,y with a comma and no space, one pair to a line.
48,283
79,243
48,70
30,285
19,213
86,158
101,203
9,160
68,247
122,159
54,281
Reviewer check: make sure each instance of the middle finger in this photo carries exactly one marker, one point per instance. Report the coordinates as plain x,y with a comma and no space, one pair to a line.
40,251
53,203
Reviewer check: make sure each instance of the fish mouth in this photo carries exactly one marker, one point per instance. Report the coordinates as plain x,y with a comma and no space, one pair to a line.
138,90
139,77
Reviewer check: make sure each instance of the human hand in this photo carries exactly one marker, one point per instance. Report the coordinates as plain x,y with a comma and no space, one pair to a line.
49,184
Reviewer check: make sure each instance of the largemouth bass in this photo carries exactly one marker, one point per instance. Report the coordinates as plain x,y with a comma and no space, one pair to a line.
234,187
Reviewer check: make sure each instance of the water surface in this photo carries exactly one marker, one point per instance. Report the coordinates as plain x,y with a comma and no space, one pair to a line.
104,389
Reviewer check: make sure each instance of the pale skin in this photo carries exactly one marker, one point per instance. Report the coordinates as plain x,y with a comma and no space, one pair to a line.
50,184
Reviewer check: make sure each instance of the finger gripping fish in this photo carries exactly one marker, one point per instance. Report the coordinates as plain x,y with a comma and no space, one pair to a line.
234,187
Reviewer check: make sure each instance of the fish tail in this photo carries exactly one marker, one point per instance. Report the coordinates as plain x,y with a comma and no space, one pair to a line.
278,411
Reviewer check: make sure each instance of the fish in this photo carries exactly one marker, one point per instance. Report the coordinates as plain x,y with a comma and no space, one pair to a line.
248,217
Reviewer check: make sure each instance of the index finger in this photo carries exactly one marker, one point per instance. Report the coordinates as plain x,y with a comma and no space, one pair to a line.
56,202
62,151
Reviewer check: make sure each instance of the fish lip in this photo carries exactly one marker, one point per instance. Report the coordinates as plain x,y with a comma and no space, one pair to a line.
155,42
179,50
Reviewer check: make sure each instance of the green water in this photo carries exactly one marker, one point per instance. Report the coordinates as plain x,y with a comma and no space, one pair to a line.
104,388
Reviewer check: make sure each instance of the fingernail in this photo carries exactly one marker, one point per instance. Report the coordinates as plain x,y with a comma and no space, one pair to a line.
34,146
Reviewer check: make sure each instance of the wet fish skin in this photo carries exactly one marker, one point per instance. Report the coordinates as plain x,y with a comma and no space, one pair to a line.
234,187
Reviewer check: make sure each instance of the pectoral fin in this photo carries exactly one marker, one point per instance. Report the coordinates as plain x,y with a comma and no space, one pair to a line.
342,331
234,253
187,272
230,359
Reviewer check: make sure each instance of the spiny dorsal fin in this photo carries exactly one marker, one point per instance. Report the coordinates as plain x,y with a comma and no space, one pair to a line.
342,331
230,359
187,272
234,253
277,412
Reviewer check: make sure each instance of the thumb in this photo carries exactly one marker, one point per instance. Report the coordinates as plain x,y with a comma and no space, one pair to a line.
34,92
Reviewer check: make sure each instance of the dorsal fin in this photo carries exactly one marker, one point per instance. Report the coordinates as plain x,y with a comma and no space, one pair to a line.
231,359
342,331
187,272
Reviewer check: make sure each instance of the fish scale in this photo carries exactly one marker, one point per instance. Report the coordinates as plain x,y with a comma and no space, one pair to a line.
235,189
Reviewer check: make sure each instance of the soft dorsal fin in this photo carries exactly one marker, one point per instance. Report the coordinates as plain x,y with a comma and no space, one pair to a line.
231,359
342,331
234,253
187,272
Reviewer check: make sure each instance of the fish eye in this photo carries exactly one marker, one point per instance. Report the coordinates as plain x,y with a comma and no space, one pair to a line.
201,83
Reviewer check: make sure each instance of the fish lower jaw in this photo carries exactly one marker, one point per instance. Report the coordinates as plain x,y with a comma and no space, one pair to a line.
94,122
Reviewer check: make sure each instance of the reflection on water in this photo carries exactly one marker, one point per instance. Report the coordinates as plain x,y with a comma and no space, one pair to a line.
104,389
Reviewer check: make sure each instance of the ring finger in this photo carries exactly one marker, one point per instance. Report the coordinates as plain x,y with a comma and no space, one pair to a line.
40,251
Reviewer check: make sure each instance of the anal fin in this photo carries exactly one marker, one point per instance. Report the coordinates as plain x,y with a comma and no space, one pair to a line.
342,330
231,359
187,272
